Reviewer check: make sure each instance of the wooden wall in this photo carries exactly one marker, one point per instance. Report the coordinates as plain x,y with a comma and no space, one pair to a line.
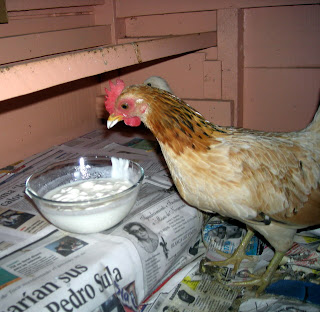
40,28
281,67
257,65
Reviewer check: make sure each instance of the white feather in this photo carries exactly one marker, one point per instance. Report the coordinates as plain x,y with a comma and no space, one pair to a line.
158,82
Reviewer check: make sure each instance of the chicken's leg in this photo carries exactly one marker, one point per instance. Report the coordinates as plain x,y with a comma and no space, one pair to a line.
272,233
236,258
264,280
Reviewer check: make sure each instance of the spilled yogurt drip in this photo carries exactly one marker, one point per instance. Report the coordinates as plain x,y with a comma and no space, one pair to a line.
86,190
120,168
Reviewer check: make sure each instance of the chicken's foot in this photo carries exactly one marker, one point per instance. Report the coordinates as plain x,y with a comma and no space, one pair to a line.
235,258
264,280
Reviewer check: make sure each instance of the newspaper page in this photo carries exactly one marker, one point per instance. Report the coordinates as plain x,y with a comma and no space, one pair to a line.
194,293
45,269
20,222
276,305
298,275
223,236
142,263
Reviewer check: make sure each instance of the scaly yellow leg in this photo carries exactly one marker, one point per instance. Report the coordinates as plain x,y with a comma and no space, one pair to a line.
264,280
236,258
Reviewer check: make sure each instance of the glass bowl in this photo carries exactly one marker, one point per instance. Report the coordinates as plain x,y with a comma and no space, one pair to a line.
88,215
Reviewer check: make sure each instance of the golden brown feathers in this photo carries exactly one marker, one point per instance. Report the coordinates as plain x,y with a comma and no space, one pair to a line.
236,172
251,176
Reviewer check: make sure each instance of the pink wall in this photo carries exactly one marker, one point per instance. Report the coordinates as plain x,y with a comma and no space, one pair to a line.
281,67
256,63
35,122
195,77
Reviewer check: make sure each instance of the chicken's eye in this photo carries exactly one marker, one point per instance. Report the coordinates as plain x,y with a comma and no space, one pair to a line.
125,106
149,84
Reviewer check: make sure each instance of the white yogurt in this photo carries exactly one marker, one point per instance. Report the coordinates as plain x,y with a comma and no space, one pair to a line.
89,217
96,202
87,190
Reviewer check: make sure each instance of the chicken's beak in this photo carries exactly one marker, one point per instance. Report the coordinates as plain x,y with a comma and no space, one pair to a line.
113,119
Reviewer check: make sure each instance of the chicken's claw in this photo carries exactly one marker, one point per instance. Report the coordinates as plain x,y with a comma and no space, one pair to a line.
235,258
210,267
266,278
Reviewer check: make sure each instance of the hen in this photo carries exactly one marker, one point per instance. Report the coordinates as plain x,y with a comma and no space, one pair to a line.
157,82
269,181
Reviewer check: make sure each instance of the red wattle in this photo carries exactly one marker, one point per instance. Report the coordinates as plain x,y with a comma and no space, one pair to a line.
133,121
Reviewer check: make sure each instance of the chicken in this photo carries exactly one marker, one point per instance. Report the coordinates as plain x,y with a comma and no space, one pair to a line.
153,81
158,82
269,181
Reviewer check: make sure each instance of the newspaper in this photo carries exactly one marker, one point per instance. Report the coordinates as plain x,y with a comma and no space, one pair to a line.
222,235
194,293
21,222
43,268
276,305
298,276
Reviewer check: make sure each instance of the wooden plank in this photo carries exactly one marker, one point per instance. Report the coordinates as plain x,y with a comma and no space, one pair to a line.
171,24
280,99
184,73
212,79
155,49
51,12
282,37
20,5
44,24
142,7
47,72
217,112
230,54
136,39
211,53
40,120
30,46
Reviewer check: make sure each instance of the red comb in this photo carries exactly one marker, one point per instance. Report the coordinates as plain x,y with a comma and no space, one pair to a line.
112,95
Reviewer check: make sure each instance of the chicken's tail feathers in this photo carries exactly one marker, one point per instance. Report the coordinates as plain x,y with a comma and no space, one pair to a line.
314,126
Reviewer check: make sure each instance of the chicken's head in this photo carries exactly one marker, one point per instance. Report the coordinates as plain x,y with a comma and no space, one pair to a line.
124,105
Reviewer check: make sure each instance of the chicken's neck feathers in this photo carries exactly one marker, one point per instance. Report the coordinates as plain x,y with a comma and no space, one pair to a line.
178,125
281,168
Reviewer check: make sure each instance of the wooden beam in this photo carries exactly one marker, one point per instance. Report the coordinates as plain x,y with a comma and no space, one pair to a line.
39,74
35,45
18,5
142,7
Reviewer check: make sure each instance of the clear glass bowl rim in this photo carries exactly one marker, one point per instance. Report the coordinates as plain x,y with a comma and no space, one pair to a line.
84,203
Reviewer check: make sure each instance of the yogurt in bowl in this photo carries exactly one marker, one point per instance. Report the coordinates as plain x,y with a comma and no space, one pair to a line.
87,194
